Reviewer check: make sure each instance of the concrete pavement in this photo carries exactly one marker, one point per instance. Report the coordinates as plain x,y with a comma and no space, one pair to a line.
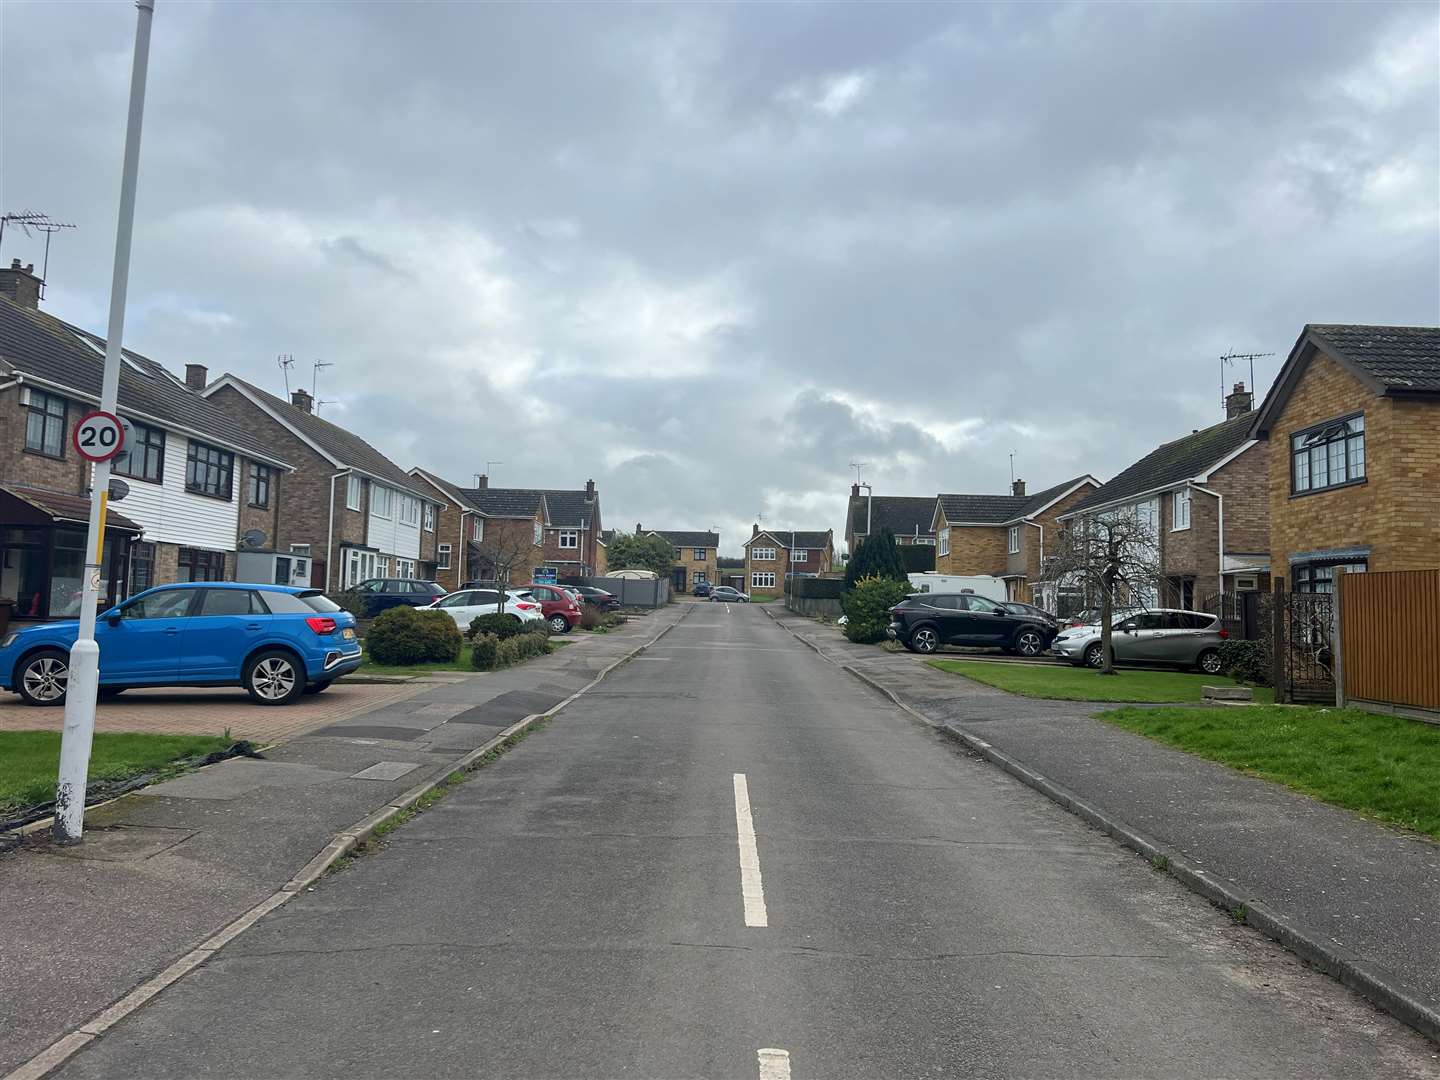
578,909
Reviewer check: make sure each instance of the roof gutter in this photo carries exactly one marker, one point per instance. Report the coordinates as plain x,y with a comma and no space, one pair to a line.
1122,501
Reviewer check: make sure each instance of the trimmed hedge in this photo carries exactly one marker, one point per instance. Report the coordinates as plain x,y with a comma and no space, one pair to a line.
405,635
490,653
1245,661
867,608
497,623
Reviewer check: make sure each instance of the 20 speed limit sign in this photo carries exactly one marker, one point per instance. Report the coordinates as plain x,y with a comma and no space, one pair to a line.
99,436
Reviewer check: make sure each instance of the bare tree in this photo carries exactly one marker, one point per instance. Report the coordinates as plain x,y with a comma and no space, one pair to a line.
507,546
1113,559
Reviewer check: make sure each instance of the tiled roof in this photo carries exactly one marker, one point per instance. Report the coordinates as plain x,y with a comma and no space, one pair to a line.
569,508
1000,509
606,535
688,539
795,538
451,491
505,502
1402,359
1174,462
49,349
903,515
71,508
341,445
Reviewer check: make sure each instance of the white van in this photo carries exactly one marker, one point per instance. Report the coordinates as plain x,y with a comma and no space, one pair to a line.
986,585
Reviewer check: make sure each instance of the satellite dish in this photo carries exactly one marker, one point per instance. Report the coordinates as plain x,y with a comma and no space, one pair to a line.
253,538
118,490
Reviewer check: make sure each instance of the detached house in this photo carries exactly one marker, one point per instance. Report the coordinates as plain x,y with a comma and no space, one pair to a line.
1006,536
200,488
910,518
772,555
1205,502
1354,460
695,556
348,513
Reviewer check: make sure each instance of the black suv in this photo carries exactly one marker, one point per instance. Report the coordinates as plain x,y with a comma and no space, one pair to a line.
922,622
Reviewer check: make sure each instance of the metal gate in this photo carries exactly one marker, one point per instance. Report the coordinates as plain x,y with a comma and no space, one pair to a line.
1306,654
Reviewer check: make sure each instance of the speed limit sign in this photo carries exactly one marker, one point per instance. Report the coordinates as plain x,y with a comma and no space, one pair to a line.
99,436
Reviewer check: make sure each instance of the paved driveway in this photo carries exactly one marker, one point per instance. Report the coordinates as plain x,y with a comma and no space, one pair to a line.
211,711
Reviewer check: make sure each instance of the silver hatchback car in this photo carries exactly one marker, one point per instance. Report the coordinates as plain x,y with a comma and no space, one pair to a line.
1158,636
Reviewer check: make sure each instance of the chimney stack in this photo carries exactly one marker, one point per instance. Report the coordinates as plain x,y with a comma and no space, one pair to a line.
639,528
20,284
196,376
1239,402
302,400
590,487
754,530
854,491
1017,487
482,481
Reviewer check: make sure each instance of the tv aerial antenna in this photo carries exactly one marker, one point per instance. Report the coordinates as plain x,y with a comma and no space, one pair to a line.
315,378
286,362
1229,359
33,219
859,466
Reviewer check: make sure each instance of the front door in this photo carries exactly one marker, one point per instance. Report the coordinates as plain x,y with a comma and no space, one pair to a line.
679,579
144,644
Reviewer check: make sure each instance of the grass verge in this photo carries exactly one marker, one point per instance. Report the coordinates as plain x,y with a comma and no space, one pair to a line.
30,760
1386,767
1081,684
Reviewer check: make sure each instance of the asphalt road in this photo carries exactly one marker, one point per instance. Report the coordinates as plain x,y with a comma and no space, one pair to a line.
591,905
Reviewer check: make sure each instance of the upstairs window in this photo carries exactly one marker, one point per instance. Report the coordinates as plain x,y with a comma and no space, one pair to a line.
944,545
144,455
45,424
257,488
762,554
429,517
442,557
539,534
800,555
352,492
1180,510
699,554
208,471
1014,540
569,538
380,501
1328,455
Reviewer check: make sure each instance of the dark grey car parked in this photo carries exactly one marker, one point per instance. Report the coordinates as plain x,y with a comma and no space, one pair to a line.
923,622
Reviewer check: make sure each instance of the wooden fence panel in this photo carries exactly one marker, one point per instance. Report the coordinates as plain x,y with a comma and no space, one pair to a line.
1390,637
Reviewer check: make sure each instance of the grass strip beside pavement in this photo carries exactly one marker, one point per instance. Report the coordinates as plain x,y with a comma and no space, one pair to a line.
30,760
1385,767
1082,684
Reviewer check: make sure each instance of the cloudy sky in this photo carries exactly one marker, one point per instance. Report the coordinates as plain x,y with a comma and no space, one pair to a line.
711,254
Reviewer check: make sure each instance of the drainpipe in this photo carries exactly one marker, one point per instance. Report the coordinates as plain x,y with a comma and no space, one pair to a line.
330,531
1220,502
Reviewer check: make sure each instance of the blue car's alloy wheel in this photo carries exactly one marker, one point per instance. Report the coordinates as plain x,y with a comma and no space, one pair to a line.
44,678
274,678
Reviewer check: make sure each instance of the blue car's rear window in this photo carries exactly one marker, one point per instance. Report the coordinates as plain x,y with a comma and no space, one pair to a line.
305,603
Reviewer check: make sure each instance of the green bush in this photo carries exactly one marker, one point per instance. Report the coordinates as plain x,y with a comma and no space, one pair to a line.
401,636
590,617
497,623
867,608
522,647
485,652
1246,661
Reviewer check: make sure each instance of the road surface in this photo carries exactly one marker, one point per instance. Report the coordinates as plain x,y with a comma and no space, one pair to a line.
730,859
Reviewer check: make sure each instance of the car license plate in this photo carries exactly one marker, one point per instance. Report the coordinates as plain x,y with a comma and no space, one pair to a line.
348,633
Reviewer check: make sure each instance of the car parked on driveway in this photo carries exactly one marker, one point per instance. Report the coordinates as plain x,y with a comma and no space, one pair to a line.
466,605
377,594
702,589
1169,636
557,606
923,622
724,594
276,641
605,601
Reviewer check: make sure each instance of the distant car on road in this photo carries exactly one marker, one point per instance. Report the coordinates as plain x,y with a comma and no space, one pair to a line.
1169,636
923,622
276,641
465,605
377,594
724,594
702,588
605,601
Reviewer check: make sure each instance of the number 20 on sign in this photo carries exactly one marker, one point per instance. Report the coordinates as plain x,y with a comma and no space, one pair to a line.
99,436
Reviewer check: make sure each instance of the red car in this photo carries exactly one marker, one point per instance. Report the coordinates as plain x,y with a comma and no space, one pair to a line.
558,606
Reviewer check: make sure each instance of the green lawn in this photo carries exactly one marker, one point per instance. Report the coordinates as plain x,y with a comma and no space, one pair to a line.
1081,684
30,760
1386,767
763,599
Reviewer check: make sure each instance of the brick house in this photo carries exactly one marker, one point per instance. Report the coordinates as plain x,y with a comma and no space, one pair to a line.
1204,498
572,530
772,555
197,483
1354,465
1006,536
910,518
695,556
347,509
485,528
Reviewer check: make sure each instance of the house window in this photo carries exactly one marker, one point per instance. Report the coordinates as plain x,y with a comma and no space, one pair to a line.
300,549
699,554
1014,540
144,456
569,538
762,579
198,565
142,568
924,541
944,548
380,501
1180,511
763,554
352,492
442,557
539,534
409,510
382,566
800,555
1320,577
45,424
429,517
478,532
258,485
208,471
1328,455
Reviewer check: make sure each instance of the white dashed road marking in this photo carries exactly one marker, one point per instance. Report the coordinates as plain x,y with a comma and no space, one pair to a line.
774,1064
751,888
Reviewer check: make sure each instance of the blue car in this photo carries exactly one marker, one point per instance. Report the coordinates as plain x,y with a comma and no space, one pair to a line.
276,641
